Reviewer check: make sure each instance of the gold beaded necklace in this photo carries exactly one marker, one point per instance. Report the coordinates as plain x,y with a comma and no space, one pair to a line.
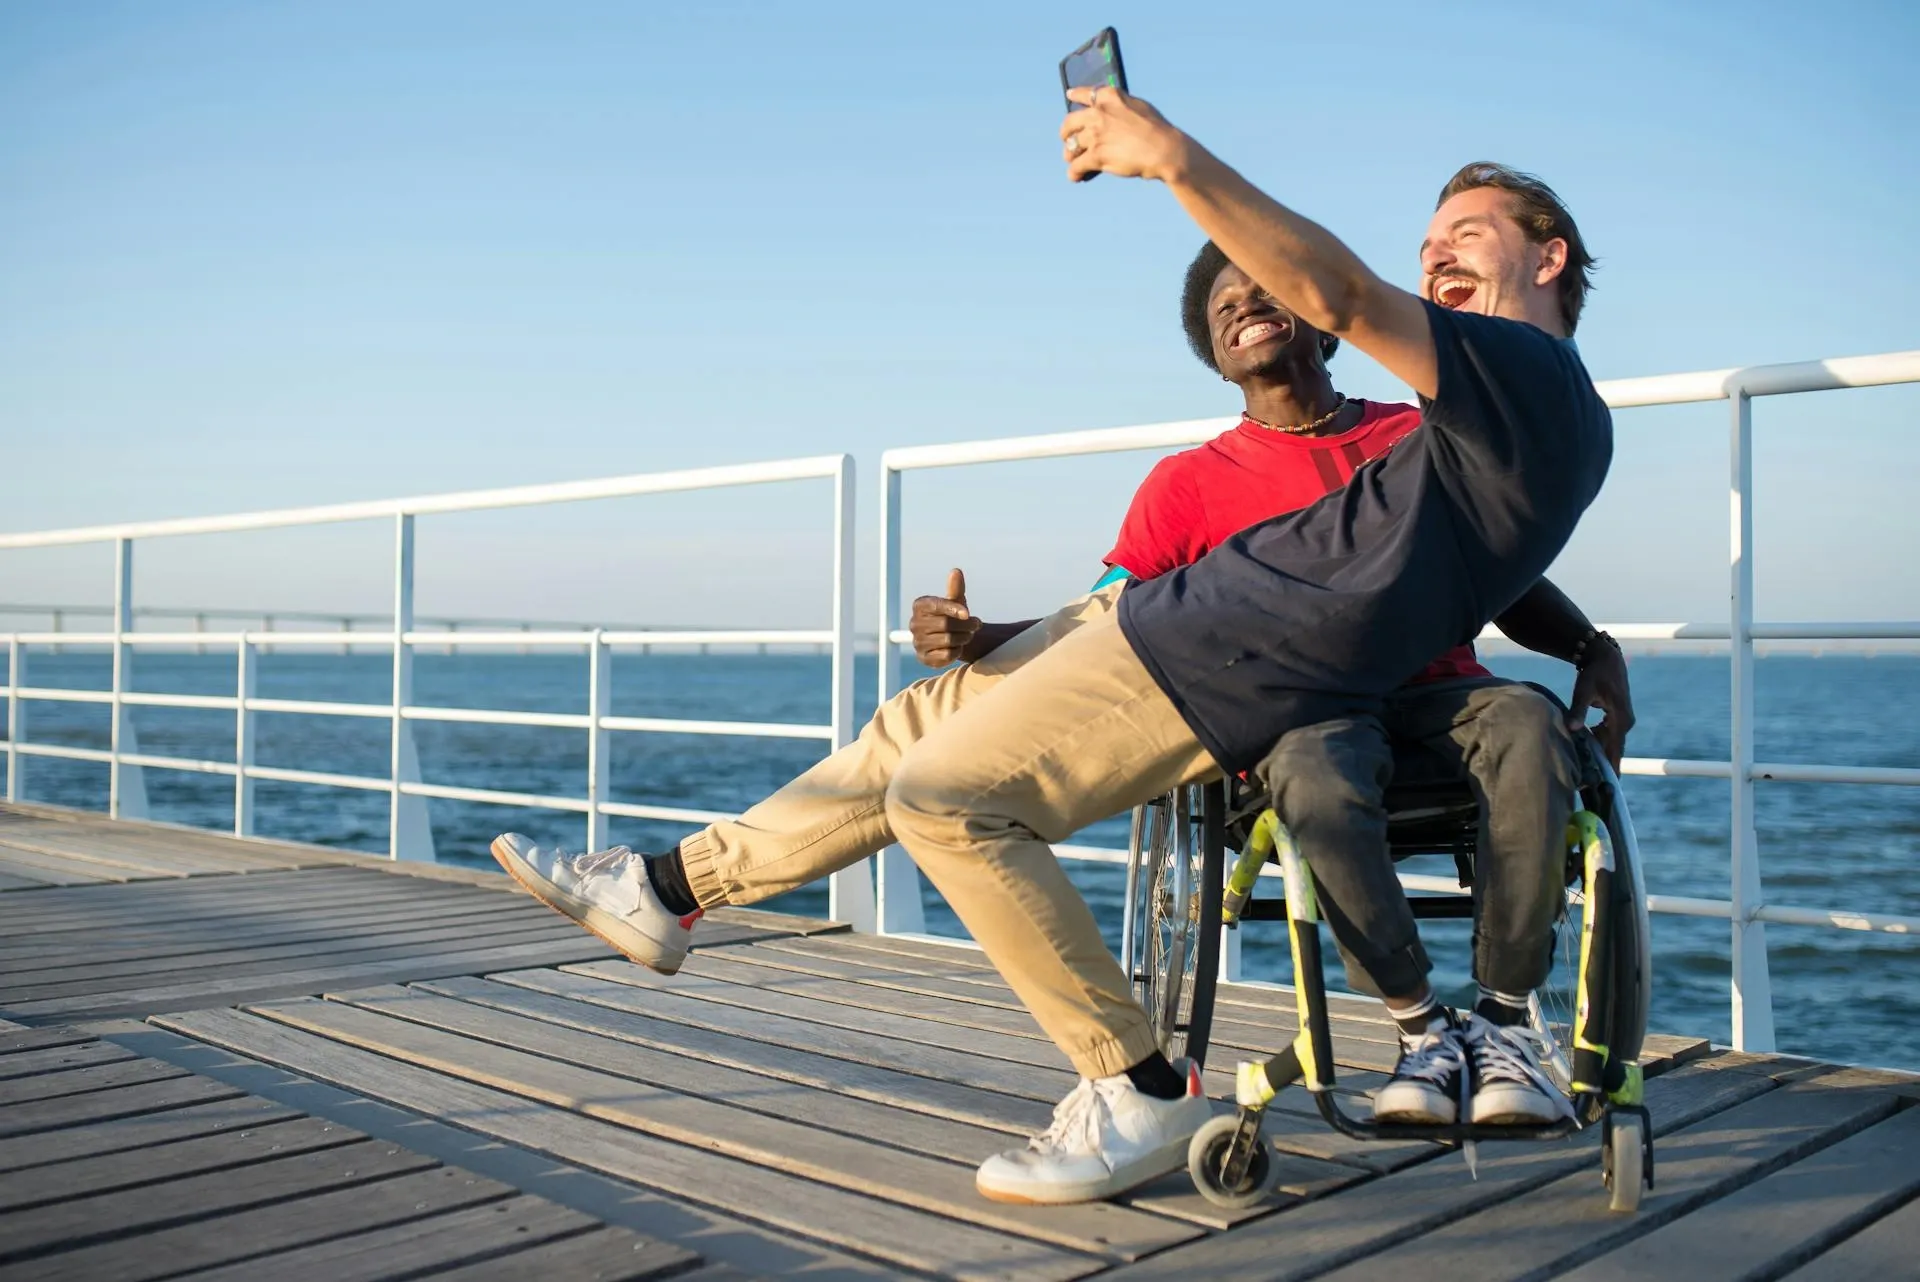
1302,429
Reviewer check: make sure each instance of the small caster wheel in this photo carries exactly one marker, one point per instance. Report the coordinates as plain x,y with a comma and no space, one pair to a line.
1207,1160
1621,1164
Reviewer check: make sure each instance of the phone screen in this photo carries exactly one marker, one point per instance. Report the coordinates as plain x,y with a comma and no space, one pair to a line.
1097,62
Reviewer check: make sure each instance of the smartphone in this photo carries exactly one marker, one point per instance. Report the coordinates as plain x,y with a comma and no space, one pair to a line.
1095,63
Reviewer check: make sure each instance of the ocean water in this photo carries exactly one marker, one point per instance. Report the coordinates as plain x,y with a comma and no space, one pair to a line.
1843,995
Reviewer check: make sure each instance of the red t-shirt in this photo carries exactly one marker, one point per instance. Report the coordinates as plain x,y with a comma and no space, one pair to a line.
1202,496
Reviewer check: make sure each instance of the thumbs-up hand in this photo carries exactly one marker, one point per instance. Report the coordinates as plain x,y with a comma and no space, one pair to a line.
942,626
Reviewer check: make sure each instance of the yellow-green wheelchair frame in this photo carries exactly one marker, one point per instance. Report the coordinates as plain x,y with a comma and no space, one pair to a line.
1232,1165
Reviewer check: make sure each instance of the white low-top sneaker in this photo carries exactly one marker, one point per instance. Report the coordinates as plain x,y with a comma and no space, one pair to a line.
1107,1136
1511,1086
606,891
1428,1081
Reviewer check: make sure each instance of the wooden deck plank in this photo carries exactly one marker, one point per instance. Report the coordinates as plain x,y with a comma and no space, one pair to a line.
1317,1236
901,1235
96,858
1785,1218
603,1255
747,1091
75,1220
273,959
329,1203
200,1155
36,872
1880,1250
855,1164
126,1134
16,879
17,1039
507,1232
959,1101
59,1058
656,996
427,962
97,903
754,1247
1556,1226
99,1106
172,903
82,1081
353,923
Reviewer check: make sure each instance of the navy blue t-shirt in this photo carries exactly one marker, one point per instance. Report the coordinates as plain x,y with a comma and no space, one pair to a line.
1317,614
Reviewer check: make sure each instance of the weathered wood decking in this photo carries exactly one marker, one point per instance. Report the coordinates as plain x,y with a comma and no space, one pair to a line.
233,1058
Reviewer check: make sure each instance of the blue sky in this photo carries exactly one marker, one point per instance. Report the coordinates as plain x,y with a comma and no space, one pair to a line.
254,255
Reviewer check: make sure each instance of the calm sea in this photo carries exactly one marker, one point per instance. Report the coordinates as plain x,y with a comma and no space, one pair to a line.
1844,995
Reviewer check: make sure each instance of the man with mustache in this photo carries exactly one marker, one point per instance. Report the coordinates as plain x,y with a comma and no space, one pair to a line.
1298,621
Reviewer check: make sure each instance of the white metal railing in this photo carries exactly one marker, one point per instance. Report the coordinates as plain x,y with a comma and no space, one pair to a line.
409,835
898,886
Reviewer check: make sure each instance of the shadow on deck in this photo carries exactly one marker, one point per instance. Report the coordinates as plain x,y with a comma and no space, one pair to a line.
237,1058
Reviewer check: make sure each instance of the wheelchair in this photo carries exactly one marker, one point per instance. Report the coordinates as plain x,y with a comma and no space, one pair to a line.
1182,893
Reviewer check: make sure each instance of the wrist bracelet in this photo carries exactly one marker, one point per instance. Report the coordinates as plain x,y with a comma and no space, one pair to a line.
1583,651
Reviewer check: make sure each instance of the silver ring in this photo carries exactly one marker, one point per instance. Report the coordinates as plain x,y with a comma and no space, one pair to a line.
1093,98
1073,144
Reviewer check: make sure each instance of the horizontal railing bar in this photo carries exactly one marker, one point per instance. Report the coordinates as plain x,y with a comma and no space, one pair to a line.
1838,919
1010,449
61,750
146,699
493,797
456,639
765,636
668,814
1660,389
60,638
752,729
821,466
317,708
1785,772
282,775
180,763
55,695
492,717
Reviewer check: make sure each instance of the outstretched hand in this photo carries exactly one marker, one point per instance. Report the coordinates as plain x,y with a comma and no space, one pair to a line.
1603,684
1118,134
944,630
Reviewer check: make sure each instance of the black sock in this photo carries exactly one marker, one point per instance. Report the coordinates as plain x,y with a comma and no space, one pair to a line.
1156,1077
1503,1009
669,878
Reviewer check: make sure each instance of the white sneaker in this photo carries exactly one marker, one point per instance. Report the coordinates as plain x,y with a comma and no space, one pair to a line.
1428,1082
1107,1137
1511,1086
607,892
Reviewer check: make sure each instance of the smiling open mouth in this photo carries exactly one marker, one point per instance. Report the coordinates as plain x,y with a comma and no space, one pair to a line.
1453,291
1258,332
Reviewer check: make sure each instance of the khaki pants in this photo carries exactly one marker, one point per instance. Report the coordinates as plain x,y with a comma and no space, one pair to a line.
975,771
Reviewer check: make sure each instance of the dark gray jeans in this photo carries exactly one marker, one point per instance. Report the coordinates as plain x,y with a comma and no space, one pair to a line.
1328,781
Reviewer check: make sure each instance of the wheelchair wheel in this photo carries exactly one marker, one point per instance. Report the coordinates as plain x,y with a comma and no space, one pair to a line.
1207,1160
1173,944
1625,986
1622,1162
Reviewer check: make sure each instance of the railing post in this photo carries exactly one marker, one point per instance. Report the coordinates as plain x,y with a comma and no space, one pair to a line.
243,722
849,891
1752,987
126,786
16,712
409,827
599,759
897,879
